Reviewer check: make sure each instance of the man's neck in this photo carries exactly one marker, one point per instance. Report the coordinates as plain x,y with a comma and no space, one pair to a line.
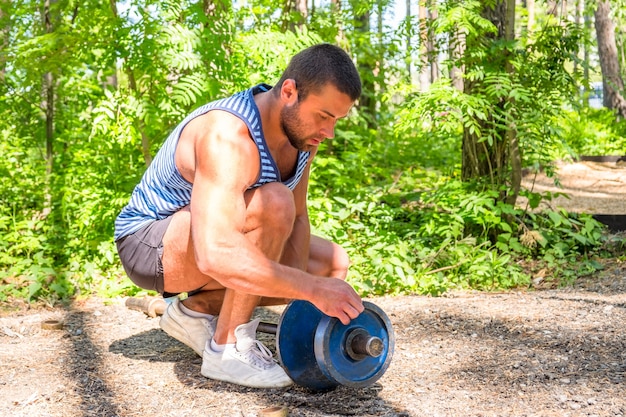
269,108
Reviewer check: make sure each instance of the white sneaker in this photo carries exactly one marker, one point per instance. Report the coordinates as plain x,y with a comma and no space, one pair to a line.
248,363
192,331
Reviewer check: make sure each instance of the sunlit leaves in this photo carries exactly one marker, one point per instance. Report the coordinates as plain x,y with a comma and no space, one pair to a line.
385,188
268,52
188,88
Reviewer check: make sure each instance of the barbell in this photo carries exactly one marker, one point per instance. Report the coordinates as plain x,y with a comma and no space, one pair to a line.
318,352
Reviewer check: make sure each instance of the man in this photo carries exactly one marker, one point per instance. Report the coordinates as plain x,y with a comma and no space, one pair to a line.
221,214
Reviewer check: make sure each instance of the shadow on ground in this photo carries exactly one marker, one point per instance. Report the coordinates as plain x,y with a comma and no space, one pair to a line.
96,396
155,345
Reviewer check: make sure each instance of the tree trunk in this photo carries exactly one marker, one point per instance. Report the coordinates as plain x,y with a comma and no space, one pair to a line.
515,154
432,48
132,84
48,81
294,15
457,49
424,61
530,9
5,28
586,53
578,12
335,7
491,160
612,83
367,66
429,63
479,158
303,11
380,48
409,49
553,8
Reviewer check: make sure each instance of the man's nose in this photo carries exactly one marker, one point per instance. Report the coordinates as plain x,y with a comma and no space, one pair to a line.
328,130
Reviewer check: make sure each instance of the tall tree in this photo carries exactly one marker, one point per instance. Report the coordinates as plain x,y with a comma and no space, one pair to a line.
335,9
456,48
132,82
530,7
510,134
381,76
5,29
429,63
49,20
425,79
409,36
367,60
295,13
490,158
612,82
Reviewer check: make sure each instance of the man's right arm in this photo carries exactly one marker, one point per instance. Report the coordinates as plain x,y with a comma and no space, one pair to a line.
226,164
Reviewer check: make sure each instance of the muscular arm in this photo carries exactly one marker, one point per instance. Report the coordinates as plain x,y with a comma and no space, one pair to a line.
226,164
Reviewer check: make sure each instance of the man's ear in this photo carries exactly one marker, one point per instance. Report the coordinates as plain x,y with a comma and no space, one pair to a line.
289,91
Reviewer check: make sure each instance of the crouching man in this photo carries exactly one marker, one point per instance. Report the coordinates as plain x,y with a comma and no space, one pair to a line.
221,214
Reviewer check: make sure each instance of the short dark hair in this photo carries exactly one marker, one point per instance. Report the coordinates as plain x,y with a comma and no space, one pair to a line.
318,65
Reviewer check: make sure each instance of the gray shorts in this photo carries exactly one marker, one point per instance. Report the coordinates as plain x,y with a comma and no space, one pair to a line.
141,255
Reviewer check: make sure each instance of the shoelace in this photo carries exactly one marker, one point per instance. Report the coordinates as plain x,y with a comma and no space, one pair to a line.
259,355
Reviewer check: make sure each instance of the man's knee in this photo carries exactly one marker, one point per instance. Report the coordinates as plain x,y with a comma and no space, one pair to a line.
327,258
272,205
341,263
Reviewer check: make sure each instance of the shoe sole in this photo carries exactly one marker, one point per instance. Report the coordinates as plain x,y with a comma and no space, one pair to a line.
227,378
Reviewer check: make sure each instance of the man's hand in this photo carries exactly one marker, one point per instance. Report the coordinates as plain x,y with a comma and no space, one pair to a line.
336,298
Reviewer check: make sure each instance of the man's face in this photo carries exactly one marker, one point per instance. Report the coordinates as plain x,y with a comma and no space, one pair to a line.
309,122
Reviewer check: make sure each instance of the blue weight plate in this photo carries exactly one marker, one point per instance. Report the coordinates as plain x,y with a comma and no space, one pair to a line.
294,344
333,359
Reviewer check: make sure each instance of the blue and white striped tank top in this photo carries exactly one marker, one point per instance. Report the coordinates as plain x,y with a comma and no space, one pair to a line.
163,191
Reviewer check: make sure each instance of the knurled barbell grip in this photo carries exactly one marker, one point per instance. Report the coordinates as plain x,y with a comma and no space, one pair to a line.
270,328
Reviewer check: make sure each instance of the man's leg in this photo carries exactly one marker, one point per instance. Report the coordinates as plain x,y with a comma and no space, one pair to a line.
243,360
264,229
327,259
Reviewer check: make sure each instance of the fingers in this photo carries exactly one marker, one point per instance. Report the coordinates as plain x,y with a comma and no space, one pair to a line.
340,301
351,312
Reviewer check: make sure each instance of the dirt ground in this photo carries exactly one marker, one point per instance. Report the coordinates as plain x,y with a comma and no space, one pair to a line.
591,187
524,353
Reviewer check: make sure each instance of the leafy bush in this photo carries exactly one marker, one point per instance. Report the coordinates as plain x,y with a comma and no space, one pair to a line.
390,193
589,131
413,229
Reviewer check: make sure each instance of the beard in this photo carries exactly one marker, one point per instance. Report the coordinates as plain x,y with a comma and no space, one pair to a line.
292,126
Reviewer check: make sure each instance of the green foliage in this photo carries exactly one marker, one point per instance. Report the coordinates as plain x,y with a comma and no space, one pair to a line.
410,228
590,131
386,187
266,53
448,236
511,87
